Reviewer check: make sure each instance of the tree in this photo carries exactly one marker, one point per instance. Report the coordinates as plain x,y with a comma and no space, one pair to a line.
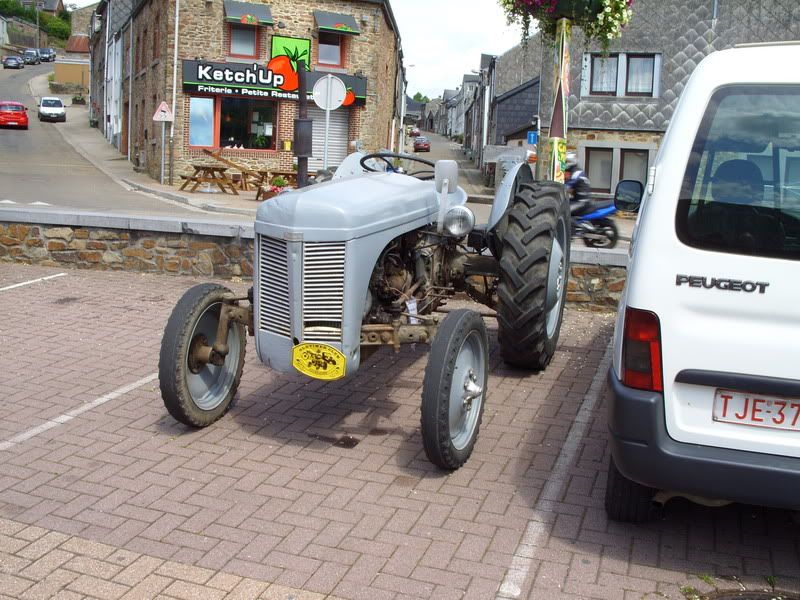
418,97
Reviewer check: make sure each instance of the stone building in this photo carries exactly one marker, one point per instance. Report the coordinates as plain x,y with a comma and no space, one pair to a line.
621,103
234,87
80,18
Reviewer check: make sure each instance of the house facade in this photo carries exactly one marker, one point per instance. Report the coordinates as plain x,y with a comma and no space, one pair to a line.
621,102
234,86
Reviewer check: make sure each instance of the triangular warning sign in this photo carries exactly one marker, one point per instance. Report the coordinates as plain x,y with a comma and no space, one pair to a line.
163,113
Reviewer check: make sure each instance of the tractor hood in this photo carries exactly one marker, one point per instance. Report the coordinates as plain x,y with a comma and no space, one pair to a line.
348,208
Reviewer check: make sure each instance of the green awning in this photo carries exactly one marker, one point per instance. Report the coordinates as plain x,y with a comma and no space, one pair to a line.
247,13
336,22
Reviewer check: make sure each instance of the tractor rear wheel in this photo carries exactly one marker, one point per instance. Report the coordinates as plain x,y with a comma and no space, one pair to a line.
534,238
195,392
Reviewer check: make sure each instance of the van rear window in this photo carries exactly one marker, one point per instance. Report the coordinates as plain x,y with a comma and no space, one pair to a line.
741,189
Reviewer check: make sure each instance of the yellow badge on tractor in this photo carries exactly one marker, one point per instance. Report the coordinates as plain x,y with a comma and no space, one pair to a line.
319,361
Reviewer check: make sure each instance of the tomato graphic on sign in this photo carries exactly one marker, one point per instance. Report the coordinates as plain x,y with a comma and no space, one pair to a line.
248,20
286,53
349,97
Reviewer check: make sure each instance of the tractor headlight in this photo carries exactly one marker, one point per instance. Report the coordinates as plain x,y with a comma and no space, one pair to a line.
459,221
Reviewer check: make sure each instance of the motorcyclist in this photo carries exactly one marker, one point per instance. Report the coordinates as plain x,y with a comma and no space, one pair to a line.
578,187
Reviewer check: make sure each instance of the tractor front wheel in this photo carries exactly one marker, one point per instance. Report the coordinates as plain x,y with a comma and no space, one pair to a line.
454,389
196,391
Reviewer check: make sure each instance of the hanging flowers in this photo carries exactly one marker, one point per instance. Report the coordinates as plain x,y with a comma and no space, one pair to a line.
600,20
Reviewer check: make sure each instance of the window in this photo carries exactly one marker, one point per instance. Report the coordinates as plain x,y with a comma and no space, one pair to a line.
330,49
640,75
624,74
599,163
244,41
633,165
156,40
247,123
144,48
232,123
604,75
741,189
138,58
201,122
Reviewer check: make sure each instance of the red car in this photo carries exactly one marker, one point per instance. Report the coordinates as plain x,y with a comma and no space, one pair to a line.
13,114
421,144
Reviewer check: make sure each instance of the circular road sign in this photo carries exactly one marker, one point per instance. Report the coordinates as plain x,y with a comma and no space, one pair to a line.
329,92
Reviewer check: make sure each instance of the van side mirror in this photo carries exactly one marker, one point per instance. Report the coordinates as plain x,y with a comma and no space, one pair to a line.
628,195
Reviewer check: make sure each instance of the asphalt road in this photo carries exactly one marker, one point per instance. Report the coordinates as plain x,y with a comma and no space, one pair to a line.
38,169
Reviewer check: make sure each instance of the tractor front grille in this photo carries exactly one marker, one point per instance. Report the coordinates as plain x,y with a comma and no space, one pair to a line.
323,291
274,305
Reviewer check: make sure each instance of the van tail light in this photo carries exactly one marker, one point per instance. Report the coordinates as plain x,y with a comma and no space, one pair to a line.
641,351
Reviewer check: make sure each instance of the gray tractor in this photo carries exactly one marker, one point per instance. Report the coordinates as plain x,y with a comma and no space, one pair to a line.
345,267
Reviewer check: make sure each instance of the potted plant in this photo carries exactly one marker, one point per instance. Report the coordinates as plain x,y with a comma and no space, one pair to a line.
600,20
275,187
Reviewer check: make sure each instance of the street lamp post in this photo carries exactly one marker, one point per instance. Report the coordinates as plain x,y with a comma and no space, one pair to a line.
39,6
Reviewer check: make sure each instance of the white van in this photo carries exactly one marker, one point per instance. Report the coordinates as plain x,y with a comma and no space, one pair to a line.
705,383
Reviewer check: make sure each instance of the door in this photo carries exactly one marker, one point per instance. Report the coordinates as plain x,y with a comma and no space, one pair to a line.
339,140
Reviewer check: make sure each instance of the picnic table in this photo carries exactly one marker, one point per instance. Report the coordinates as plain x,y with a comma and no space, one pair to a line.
246,178
212,174
267,175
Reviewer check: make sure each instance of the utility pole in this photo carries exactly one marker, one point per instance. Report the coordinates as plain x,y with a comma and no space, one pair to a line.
39,6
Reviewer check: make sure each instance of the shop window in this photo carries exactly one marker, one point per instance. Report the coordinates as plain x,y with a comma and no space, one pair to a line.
599,163
604,75
246,123
633,165
331,46
201,122
244,41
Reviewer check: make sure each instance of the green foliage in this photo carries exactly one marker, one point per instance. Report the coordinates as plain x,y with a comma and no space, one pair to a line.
418,97
279,181
56,27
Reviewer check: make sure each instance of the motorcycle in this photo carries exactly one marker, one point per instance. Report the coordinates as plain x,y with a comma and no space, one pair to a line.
593,224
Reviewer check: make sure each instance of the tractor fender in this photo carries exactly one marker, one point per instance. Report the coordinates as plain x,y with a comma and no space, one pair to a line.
518,174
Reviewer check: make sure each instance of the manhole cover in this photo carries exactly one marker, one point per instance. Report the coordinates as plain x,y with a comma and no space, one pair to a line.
776,595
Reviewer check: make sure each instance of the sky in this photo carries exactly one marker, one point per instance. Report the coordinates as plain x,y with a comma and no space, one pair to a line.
443,39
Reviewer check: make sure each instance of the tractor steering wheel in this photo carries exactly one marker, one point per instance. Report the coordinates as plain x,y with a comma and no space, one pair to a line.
423,174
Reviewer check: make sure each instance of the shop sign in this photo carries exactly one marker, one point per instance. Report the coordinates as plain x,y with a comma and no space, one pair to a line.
258,81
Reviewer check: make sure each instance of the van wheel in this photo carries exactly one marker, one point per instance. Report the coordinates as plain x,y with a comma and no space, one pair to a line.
534,240
627,500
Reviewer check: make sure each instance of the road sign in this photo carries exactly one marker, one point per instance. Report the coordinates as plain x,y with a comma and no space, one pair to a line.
163,114
533,138
329,92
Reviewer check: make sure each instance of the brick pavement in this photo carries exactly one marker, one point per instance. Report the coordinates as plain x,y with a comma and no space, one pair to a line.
309,490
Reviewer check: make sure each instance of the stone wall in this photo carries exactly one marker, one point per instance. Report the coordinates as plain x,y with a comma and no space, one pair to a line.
119,250
79,18
220,250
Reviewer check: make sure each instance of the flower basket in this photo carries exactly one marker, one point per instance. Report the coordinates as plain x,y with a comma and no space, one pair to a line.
600,20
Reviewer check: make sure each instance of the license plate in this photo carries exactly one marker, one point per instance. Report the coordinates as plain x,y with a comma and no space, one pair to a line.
758,410
319,361
12,123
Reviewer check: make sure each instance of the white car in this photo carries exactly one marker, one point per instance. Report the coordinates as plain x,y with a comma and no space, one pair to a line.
52,109
705,386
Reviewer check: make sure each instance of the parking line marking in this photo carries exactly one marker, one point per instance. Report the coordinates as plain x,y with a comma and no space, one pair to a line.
69,415
554,488
16,285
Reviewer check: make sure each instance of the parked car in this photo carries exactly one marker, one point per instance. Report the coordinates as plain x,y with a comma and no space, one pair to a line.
31,56
705,391
13,62
422,144
47,54
415,132
52,109
13,114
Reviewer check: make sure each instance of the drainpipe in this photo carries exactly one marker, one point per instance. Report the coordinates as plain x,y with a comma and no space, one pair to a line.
105,73
174,91
130,87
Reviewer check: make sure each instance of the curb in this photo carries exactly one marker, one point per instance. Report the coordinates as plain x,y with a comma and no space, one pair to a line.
216,208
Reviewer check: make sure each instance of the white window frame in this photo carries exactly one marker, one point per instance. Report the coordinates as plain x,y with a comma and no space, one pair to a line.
622,74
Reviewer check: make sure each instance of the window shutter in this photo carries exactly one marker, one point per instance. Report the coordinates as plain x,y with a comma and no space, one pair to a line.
657,76
586,74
